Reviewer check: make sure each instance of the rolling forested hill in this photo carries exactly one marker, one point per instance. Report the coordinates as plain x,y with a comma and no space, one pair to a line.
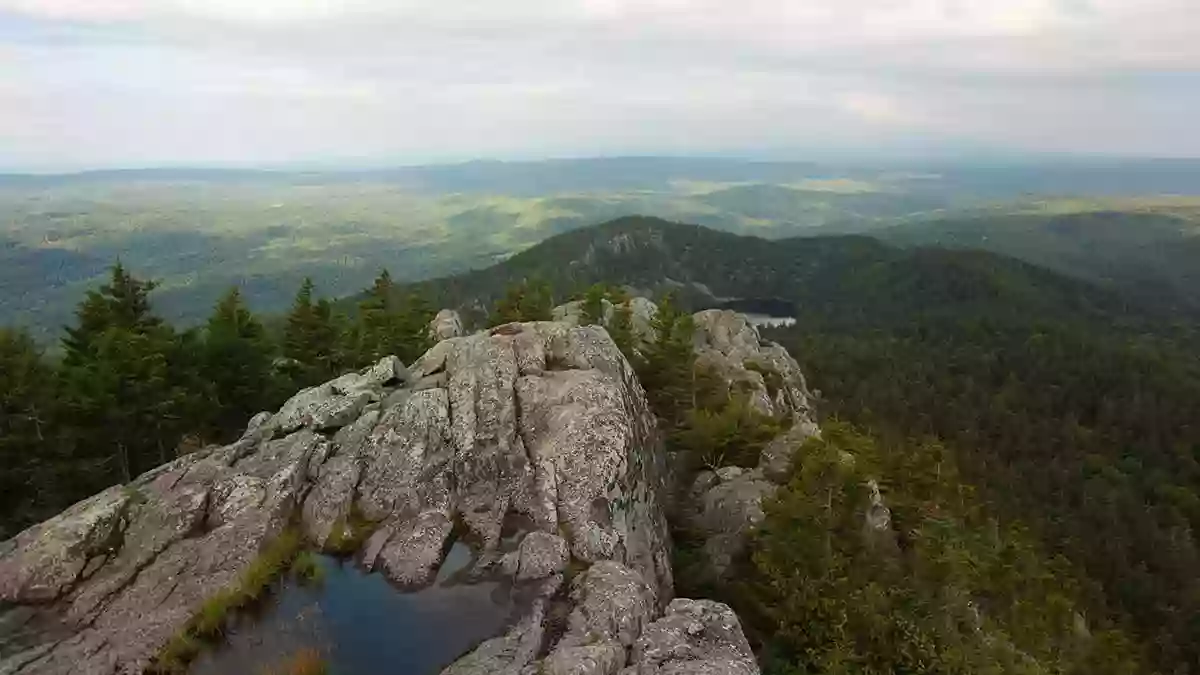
1071,406
1036,432
1152,255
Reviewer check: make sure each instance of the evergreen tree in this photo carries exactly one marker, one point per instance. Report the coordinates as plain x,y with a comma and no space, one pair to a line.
526,301
390,326
667,367
29,481
126,407
123,303
378,321
311,339
237,360
593,305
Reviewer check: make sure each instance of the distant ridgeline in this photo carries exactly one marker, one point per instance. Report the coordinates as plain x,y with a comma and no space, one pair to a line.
1034,434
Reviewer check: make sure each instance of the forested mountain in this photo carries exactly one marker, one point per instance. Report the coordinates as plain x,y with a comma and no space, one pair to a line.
831,279
1154,256
1070,405
1036,432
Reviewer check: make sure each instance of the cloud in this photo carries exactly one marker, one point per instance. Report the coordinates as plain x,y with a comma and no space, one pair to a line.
88,82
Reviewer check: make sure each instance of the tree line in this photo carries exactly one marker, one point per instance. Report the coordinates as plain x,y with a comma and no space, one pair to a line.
128,391
1086,432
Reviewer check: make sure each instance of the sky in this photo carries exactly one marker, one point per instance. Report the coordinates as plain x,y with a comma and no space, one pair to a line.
123,83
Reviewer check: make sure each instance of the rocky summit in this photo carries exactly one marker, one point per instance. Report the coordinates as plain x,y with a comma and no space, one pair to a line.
531,441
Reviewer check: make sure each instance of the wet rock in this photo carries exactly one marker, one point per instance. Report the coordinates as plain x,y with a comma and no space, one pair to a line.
411,551
510,654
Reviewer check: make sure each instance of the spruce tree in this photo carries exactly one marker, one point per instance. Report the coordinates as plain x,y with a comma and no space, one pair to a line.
378,321
29,481
526,301
312,339
593,305
667,367
126,405
237,363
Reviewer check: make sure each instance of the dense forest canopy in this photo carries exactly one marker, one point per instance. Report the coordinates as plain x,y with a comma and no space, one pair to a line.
1035,433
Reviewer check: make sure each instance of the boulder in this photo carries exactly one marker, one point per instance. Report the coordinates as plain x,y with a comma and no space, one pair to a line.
775,460
694,637
726,514
728,344
447,324
539,555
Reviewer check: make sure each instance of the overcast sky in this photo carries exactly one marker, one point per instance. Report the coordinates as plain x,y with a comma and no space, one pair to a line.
86,83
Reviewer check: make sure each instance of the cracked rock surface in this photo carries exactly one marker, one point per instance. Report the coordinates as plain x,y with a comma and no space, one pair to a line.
539,428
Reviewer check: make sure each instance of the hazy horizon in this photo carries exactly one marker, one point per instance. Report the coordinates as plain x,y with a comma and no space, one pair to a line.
148,83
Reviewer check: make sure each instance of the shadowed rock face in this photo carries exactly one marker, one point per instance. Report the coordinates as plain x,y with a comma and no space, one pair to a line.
541,422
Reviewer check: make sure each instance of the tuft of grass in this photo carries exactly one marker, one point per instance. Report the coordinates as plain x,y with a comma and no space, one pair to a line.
307,661
348,534
307,570
209,621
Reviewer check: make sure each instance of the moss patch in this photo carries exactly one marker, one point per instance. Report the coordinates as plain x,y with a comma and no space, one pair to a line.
348,534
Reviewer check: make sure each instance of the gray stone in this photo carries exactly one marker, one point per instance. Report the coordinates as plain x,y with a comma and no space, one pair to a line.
612,602
372,380
775,461
729,345
727,512
541,555
642,313
329,501
320,408
412,552
447,324
694,637
259,425
571,313
47,558
728,473
603,657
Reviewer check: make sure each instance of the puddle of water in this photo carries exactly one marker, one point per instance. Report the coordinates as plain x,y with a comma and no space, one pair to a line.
364,626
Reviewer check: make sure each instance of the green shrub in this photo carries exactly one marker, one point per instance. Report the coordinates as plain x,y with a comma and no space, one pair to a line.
733,434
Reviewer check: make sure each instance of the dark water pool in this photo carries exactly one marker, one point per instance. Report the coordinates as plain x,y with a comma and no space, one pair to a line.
364,626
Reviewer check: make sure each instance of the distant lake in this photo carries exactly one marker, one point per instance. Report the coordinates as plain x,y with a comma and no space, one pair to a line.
768,321
364,626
